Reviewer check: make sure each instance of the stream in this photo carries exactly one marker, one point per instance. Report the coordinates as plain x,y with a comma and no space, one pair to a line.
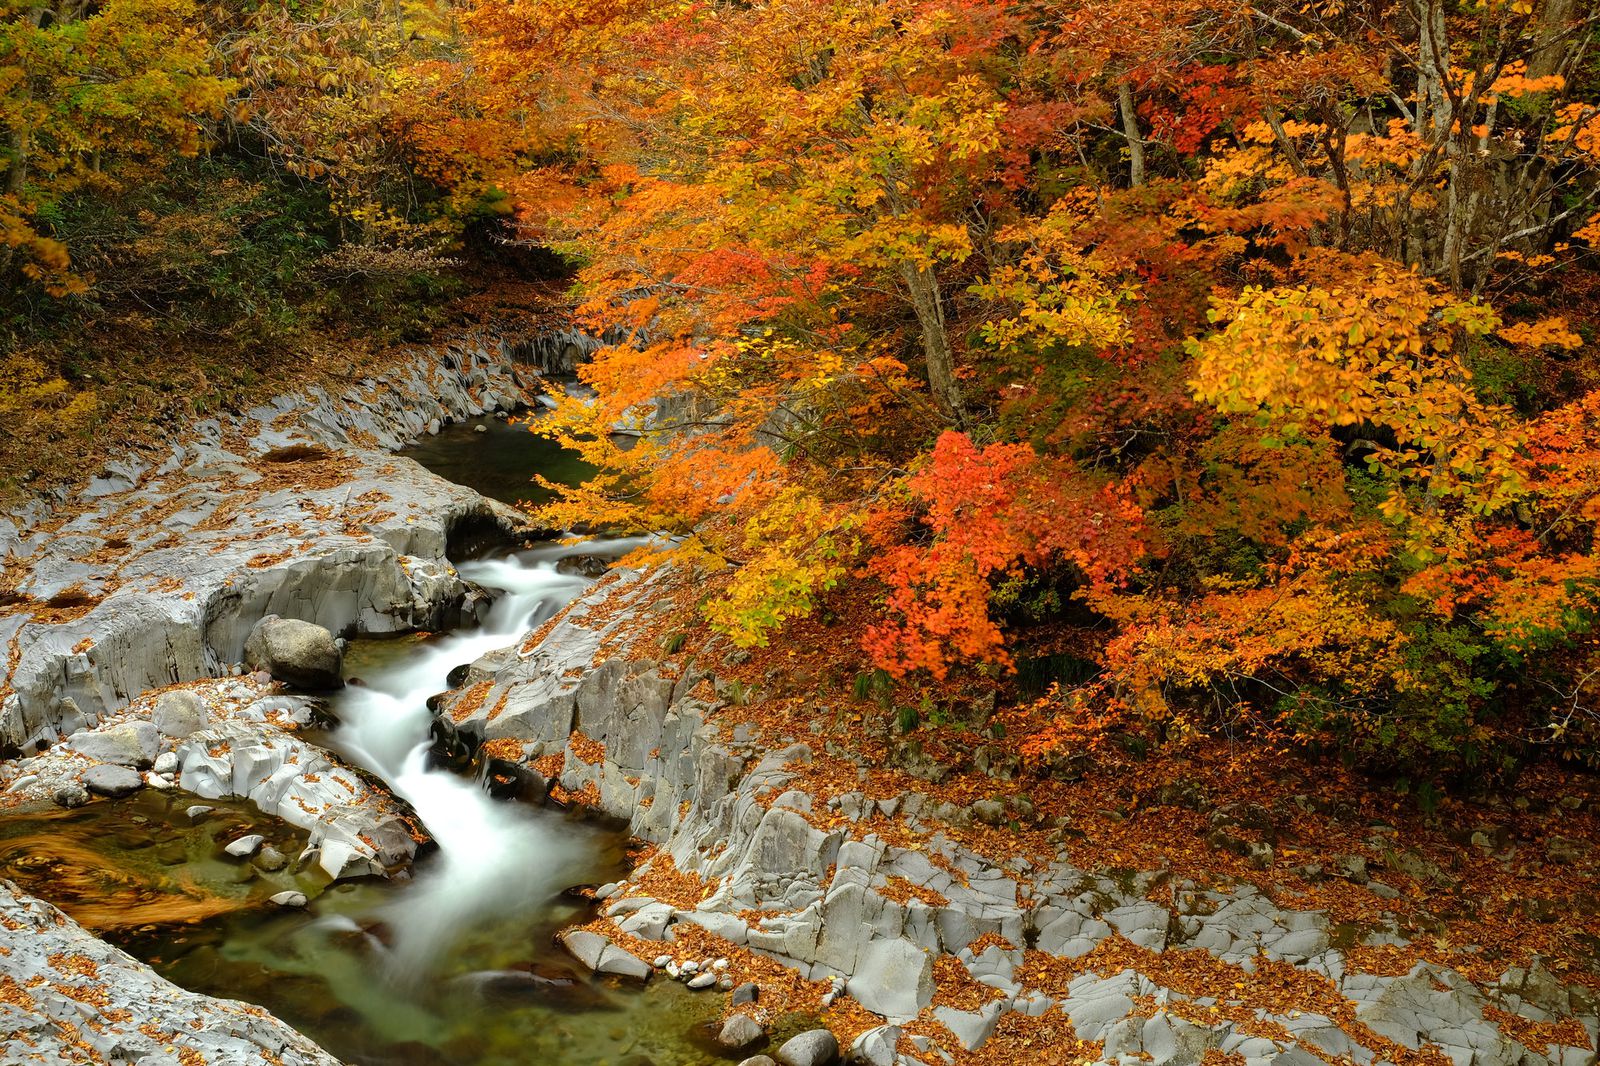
455,965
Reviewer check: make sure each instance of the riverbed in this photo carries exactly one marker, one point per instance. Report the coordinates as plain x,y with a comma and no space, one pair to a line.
454,964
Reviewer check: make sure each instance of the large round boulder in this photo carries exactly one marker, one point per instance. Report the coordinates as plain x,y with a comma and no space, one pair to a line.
301,654
815,1047
127,744
108,779
179,713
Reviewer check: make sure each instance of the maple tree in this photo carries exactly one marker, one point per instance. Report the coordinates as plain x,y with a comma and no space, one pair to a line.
1247,350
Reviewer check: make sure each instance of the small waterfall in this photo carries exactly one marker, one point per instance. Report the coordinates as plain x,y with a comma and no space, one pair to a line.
494,856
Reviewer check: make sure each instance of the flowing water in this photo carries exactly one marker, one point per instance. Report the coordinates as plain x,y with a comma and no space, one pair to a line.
453,966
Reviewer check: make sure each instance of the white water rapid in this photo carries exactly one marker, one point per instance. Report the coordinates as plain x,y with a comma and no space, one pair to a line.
495,856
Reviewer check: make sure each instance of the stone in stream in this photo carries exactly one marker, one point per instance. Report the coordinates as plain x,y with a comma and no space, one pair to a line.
301,654
740,1031
72,794
748,992
197,812
600,955
583,566
129,744
271,859
166,763
110,780
816,1047
702,981
289,898
177,714
758,1060
245,846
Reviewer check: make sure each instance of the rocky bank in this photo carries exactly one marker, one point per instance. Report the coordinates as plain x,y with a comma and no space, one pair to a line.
126,608
943,950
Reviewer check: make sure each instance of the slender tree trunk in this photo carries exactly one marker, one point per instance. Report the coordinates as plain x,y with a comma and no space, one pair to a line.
18,144
926,300
1130,130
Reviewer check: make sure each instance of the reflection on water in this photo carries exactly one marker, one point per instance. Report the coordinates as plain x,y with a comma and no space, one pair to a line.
139,862
499,462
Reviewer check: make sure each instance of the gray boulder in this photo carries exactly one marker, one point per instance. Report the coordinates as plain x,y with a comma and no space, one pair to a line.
739,1031
815,1047
972,1028
893,978
70,794
300,654
109,779
129,744
877,1047
177,714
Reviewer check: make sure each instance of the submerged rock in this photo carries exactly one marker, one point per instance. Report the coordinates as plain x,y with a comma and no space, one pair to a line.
301,654
740,1031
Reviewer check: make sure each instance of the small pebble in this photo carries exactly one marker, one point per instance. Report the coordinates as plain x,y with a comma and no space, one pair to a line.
690,967
705,980
198,811
720,965
661,961
290,898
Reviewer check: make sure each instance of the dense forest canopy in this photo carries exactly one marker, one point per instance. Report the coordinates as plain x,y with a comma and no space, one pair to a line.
1237,358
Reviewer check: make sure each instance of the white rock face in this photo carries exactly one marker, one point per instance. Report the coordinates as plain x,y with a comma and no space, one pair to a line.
893,978
53,994
355,829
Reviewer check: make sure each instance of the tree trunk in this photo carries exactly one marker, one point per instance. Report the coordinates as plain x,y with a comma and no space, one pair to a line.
1549,50
1130,130
923,287
20,139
